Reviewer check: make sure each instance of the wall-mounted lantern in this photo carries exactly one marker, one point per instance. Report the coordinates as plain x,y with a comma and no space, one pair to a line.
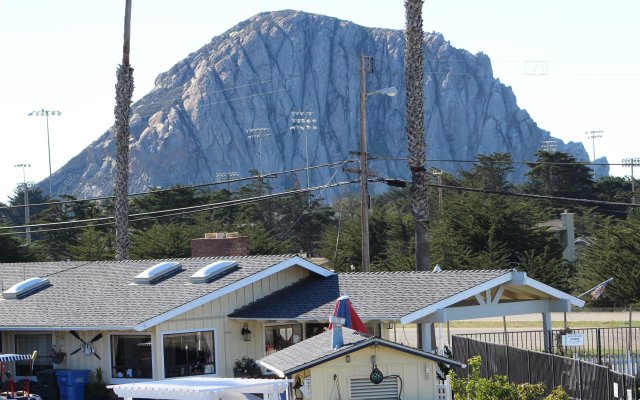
246,332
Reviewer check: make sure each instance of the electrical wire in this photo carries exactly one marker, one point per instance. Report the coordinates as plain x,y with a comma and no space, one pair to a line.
156,191
274,174
539,196
169,213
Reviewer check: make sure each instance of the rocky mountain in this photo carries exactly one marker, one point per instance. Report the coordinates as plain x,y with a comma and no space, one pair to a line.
230,107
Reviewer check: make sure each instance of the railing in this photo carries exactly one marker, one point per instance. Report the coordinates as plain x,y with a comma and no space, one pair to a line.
580,379
443,390
618,348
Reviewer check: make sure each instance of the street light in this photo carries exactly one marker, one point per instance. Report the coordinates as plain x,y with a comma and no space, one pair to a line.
364,173
25,189
46,113
631,162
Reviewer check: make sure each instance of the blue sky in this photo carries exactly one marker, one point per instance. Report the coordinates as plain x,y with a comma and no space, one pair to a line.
572,64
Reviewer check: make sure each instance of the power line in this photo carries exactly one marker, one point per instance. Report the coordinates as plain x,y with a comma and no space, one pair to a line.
155,191
274,174
403,183
382,158
169,213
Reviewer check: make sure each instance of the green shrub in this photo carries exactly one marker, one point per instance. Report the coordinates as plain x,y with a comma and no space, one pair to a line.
498,387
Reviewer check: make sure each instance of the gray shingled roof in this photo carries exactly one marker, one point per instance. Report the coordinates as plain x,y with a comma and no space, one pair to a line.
384,296
317,350
100,294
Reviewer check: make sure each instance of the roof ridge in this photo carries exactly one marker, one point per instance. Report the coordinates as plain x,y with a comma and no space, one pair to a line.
422,272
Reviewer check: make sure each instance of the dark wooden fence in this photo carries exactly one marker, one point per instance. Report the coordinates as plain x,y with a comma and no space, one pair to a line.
617,348
580,379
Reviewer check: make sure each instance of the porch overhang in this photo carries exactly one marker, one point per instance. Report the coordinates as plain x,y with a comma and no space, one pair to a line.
510,294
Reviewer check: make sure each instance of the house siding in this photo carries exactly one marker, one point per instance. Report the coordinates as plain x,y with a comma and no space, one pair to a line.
416,382
230,345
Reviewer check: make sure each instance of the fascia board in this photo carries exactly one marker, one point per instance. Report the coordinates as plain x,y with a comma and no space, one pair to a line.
423,312
553,292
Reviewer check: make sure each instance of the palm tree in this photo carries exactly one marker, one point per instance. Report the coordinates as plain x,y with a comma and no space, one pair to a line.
124,91
414,77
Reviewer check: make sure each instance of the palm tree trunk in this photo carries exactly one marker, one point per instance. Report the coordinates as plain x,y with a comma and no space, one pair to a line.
124,92
414,74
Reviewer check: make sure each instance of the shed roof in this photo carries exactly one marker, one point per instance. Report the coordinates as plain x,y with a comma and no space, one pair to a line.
317,350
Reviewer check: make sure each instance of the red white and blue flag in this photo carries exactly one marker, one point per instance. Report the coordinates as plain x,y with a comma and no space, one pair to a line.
344,309
597,292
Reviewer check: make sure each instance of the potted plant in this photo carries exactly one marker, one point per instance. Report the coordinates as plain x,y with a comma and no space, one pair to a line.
246,368
97,390
57,354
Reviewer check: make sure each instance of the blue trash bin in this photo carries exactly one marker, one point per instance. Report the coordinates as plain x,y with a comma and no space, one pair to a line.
71,383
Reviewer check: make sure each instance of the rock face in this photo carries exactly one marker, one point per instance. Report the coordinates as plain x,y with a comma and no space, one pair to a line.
192,127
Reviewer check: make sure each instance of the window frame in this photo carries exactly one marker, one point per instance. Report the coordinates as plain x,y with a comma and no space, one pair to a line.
14,367
181,331
116,380
271,325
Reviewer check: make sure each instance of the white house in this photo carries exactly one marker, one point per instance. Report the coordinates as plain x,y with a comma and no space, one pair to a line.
155,319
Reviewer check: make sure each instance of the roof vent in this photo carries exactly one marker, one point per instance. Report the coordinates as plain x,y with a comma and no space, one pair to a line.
213,270
25,288
157,272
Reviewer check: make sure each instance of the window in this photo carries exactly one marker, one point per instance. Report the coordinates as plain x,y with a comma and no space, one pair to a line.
312,329
278,337
374,329
26,344
131,357
191,353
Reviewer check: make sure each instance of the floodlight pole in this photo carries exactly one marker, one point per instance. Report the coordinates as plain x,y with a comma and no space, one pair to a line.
305,122
46,113
593,135
25,188
631,162
259,134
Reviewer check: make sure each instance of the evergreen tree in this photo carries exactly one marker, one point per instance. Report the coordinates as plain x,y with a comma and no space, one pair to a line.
612,251
92,245
479,231
489,173
559,174
163,240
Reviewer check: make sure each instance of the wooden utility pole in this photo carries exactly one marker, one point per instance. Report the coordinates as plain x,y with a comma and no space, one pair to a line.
124,92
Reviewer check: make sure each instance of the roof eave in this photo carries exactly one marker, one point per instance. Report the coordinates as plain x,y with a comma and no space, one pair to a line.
517,278
423,312
350,348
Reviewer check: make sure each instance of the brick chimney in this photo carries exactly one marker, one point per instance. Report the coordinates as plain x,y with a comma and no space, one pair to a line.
220,244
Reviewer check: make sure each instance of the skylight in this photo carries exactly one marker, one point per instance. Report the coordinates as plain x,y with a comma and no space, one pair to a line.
25,288
157,272
213,270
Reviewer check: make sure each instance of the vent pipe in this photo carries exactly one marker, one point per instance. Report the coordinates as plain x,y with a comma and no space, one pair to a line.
337,338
